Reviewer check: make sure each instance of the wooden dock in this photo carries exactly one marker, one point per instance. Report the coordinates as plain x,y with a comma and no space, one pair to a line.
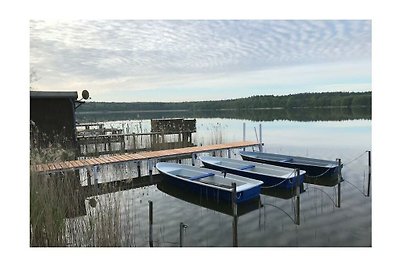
137,157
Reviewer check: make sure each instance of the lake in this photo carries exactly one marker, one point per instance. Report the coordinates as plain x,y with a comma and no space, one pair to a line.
325,134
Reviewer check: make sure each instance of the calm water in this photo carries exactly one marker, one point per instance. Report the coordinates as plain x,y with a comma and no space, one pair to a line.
269,222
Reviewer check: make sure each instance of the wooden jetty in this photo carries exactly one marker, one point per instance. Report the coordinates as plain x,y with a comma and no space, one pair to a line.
141,156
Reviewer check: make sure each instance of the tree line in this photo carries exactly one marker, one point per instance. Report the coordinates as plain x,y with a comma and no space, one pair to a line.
303,100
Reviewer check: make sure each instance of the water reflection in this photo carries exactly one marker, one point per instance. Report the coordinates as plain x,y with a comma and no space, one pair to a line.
300,114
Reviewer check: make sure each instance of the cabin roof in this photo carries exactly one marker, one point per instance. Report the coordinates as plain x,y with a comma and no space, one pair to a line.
54,94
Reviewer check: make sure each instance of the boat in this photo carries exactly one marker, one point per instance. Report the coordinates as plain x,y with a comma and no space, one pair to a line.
210,183
270,175
313,167
212,204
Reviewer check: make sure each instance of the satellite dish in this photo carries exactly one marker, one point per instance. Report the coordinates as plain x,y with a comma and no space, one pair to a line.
85,94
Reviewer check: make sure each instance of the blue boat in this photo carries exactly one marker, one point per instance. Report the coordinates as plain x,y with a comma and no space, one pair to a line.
209,183
270,175
313,167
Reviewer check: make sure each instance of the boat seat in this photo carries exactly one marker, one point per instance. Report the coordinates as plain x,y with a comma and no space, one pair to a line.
197,177
247,167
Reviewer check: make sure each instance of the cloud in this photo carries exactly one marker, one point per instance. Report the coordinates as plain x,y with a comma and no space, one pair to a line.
133,55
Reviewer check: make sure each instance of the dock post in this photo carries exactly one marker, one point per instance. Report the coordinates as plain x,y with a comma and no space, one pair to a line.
229,153
369,173
235,219
261,143
150,223
193,156
297,197
339,177
138,169
234,203
244,134
182,227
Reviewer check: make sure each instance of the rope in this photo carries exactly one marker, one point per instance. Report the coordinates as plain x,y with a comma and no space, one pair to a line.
272,205
284,180
356,158
319,175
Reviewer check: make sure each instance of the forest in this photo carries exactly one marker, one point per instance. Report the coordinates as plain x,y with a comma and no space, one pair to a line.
303,100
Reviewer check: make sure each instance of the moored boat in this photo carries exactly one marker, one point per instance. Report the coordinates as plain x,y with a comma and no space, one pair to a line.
270,175
313,167
212,184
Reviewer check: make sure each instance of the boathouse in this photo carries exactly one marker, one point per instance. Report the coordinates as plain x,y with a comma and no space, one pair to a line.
52,118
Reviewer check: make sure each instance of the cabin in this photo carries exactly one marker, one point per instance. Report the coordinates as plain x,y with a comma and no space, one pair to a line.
52,118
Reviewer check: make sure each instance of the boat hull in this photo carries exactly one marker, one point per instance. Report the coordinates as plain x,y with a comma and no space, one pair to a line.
211,193
269,181
310,170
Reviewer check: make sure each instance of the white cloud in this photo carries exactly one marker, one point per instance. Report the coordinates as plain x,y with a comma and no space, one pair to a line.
132,55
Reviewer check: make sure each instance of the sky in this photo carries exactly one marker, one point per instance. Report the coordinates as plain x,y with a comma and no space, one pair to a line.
185,60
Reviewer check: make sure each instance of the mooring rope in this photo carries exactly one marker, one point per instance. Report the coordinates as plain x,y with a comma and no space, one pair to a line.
319,175
284,180
356,158
272,205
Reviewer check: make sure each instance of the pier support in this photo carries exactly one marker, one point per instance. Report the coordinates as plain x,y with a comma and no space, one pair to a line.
229,153
369,173
150,168
193,159
244,134
261,143
297,215
150,223
339,178
235,219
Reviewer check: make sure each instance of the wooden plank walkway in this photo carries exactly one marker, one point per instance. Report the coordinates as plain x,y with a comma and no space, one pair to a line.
161,154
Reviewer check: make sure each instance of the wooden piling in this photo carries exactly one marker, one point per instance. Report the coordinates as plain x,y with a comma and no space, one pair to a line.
339,177
261,143
229,153
193,159
234,202
369,173
235,216
244,134
150,223
150,167
297,196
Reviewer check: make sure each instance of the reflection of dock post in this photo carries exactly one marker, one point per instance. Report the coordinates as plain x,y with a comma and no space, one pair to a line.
339,177
138,169
150,167
235,219
182,226
150,223
95,177
369,173
297,196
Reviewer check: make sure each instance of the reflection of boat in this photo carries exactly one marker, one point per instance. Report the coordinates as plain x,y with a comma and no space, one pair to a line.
281,192
203,201
326,180
313,167
271,175
214,184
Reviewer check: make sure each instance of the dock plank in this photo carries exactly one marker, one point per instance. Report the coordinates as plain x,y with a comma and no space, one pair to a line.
75,164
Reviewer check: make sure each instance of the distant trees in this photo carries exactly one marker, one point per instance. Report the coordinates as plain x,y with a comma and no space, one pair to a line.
328,99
